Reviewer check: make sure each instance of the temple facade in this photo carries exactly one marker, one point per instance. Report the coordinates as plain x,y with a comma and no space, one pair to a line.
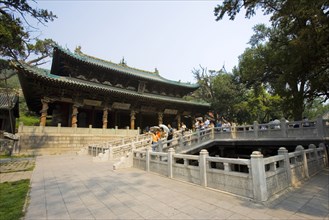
81,90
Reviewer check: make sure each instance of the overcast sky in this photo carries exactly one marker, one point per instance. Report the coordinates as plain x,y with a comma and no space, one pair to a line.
172,36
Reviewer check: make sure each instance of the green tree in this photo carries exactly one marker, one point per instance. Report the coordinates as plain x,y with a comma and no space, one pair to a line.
227,93
16,43
230,98
316,109
292,57
14,28
205,79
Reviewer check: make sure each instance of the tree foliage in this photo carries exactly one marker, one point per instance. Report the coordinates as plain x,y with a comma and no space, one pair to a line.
15,39
231,99
292,57
205,79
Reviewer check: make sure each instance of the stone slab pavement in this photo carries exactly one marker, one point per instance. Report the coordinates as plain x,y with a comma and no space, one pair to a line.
14,169
74,187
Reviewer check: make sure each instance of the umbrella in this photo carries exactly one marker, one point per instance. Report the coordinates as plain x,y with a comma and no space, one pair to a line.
165,128
155,128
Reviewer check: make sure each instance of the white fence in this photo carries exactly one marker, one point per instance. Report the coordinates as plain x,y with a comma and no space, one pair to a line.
187,141
257,178
75,130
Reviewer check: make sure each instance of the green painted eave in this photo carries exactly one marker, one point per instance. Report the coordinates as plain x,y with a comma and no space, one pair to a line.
124,69
45,75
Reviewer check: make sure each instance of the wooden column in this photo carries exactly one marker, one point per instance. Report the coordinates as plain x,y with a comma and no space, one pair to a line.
132,119
43,111
160,117
75,115
105,114
179,121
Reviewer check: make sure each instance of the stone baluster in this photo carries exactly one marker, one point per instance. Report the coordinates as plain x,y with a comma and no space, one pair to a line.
203,167
171,152
300,148
258,176
283,151
147,159
325,153
256,129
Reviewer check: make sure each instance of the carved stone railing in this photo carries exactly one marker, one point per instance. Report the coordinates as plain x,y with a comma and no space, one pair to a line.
182,143
257,178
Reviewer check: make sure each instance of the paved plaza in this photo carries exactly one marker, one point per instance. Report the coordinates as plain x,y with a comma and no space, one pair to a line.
74,187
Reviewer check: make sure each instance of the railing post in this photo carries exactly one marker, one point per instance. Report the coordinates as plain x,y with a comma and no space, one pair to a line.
171,152
227,167
258,176
283,151
312,146
147,158
181,142
90,129
198,135
110,151
203,167
160,146
325,152
213,133
283,127
305,165
319,126
59,128
256,128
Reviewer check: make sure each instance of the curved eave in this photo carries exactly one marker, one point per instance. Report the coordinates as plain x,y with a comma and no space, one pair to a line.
121,69
92,86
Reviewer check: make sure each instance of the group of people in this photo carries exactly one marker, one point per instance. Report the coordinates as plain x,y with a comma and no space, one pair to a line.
166,132
160,132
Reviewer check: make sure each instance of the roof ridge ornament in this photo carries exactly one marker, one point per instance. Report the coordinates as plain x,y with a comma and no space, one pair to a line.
156,71
78,50
123,62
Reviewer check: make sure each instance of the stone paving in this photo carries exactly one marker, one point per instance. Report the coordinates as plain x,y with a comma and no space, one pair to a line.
14,169
74,187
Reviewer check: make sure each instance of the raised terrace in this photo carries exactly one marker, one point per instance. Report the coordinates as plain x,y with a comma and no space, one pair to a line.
257,177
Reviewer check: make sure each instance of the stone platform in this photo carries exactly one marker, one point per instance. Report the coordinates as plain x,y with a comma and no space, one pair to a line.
74,187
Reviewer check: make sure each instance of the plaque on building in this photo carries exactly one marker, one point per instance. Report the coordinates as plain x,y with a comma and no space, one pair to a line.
141,86
170,111
186,113
66,100
92,102
119,105
148,109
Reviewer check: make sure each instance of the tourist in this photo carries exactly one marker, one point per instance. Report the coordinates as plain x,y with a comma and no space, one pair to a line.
155,138
183,128
170,134
305,122
206,123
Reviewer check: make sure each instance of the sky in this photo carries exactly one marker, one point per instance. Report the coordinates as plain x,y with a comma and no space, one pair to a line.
175,37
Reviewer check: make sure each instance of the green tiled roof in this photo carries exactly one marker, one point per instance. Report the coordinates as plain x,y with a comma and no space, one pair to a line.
45,75
124,68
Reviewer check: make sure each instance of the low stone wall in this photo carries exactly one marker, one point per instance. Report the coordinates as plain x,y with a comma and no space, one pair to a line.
38,140
258,178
